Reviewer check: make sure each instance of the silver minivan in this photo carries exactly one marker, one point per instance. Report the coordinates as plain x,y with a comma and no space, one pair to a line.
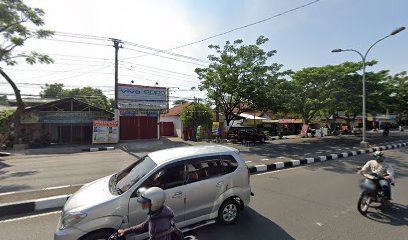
203,184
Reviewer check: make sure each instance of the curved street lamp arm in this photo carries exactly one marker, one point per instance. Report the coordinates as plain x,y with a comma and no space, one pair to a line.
352,50
375,44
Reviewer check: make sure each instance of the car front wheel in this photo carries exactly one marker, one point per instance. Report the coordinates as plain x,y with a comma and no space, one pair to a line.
229,212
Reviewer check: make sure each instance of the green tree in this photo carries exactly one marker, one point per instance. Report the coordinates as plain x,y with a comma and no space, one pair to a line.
325,91
15,17
90,95
398,92
237,77
54,90
180,101
197,114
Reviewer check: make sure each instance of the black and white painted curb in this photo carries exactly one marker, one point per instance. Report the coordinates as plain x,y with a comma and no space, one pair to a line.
293,163
95,149
25,207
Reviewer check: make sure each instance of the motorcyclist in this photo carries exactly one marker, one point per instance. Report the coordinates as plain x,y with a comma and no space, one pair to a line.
383,170
160,217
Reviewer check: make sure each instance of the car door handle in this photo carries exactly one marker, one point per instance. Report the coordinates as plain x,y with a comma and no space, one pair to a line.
219,184
178,195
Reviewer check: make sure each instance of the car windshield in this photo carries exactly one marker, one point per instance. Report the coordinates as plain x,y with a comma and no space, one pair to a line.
132,174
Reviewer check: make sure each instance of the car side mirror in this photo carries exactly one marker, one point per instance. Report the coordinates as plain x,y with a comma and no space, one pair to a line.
138,192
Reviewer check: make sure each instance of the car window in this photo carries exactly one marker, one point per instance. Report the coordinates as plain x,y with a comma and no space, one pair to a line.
168,177
133,173
203,168
229,163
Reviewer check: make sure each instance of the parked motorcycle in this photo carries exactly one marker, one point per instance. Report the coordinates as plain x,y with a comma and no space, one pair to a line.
386,132
371,193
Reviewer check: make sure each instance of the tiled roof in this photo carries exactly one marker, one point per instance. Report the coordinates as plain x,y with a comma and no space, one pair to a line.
176,110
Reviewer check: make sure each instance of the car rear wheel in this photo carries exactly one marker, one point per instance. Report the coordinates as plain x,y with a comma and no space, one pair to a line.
229,212
262,140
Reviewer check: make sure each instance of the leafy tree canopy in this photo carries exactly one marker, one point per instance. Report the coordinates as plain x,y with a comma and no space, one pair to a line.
238,76
93,96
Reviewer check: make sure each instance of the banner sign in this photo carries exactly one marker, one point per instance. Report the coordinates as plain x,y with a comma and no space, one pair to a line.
144,98
105,131
62,117
216,128
136,92
305,128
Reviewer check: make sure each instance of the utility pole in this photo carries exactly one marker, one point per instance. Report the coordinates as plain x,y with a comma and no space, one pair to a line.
116,44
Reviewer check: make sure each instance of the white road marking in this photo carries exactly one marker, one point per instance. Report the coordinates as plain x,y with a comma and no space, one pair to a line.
265,159
29,217
248,161
320,224
280,157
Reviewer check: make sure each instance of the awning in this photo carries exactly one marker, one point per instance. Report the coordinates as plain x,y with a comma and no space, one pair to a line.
247,116
290,121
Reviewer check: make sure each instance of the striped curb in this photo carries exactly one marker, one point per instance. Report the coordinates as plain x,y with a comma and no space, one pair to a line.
98,149
31,206
293,163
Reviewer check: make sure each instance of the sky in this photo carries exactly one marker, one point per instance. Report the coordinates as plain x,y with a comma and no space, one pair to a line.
302,38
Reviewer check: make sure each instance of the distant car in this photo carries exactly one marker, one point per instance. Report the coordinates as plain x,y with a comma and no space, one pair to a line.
201,183
247,135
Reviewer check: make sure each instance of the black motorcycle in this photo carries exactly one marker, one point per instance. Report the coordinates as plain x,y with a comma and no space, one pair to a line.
371,192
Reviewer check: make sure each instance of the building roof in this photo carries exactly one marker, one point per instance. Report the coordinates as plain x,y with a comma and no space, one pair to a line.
191,151
176,110
65,105
31,102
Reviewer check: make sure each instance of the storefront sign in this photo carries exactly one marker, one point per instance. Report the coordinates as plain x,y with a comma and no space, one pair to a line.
137,113
144,98
105,131
62,117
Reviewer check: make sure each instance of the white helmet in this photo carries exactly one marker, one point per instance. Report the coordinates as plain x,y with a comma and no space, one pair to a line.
154,195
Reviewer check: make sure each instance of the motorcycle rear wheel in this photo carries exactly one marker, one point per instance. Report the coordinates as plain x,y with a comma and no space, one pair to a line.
363,203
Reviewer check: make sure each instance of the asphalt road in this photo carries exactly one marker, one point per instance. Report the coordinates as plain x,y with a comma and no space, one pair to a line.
41,171
32,172
312,202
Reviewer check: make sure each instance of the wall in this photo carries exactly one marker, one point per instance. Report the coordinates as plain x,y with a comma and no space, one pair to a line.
178,125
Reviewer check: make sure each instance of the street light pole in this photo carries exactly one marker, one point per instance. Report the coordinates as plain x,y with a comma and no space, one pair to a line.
364,142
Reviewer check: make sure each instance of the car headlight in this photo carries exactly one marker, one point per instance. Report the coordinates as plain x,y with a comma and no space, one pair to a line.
70,219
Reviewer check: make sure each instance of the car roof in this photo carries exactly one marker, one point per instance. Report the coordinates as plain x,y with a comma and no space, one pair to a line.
191,151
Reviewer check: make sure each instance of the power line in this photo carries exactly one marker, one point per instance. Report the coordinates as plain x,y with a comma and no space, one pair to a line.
160,69
69,41
160,51
236,29
175,59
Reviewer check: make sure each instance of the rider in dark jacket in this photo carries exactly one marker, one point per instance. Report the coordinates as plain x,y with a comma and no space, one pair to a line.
159,217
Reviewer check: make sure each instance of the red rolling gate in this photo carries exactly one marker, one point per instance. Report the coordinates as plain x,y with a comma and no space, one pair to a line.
167,129
138,127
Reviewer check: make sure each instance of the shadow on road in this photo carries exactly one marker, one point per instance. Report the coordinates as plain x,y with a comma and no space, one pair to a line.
251,225
13,188
350,165
396,215
312,147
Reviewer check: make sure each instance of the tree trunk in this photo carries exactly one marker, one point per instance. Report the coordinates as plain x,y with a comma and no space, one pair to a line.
20,107
20,103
